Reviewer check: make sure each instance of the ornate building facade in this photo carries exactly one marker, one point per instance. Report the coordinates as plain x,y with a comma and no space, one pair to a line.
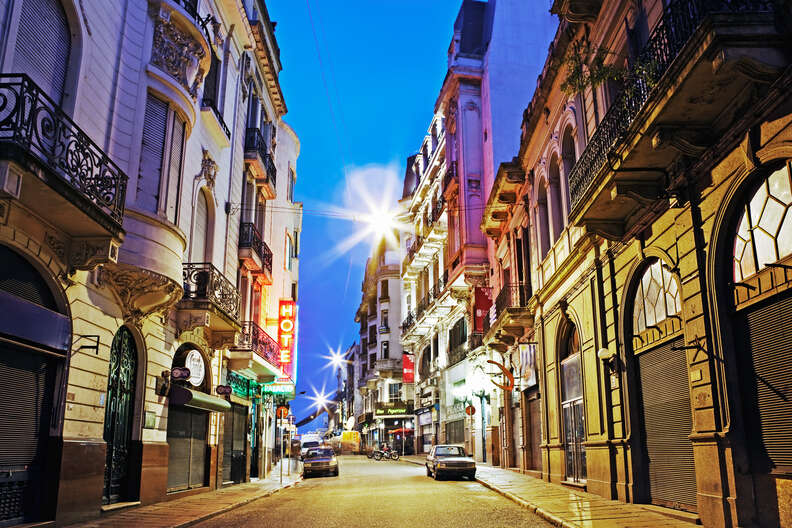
141,144
647,217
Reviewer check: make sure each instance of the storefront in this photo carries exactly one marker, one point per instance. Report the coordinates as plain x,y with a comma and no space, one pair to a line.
234,444
424,429
189,405
34,340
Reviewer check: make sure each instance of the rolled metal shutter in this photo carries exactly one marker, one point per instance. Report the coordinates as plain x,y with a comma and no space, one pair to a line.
768,380
199,427
228,444
155,121
240,437
535,413
178,448
43,45
667,424
26,394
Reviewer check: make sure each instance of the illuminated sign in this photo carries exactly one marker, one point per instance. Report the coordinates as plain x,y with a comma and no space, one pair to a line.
279,387
408,368
287,318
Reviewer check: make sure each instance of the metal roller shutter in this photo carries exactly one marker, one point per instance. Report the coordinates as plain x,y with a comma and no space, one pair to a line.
667,423
767,376
155,121
228,444
26,395
200,426
43,45
178,448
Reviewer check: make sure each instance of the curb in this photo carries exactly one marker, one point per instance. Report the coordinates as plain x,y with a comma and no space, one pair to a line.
234,506
541,512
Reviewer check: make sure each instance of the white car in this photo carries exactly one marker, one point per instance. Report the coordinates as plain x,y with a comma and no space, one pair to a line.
450,460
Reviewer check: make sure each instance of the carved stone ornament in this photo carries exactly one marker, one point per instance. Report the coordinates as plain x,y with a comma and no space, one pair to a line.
87,253
189,320
141,292
5,207
451,116
56,245
176,52
224,340
208,170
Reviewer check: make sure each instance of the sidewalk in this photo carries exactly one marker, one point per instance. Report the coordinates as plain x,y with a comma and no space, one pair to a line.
566,507
191,510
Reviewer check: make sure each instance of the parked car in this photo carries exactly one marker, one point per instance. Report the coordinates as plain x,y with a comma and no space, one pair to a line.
449,460
309,441
320,460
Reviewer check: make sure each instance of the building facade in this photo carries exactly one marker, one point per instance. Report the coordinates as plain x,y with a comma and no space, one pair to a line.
445,268
384,412
129,231
642,258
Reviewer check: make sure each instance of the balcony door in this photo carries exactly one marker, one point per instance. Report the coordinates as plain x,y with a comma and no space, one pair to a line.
200,230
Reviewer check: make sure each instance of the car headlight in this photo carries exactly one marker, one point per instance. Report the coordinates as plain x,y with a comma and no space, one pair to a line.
307,464
441,465
333,462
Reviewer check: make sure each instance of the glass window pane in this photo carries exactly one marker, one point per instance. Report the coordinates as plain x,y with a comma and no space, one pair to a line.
757,204
780,185
785,236
771,217
570,378
765,248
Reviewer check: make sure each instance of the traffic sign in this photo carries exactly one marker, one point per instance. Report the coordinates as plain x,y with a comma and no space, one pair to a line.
470,410
282,411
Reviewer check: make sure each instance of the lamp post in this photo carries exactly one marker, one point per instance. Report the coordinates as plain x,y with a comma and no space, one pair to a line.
478,386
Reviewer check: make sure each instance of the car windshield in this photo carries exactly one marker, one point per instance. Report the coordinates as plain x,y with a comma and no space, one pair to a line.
449,451
310,444
317,453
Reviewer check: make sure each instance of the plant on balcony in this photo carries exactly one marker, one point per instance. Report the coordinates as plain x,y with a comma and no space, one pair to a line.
586,68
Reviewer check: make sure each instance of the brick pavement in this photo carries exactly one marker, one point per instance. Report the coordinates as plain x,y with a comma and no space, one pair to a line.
564,506
179,513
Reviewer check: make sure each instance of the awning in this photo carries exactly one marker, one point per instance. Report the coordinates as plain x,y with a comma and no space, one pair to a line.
400,431
197,400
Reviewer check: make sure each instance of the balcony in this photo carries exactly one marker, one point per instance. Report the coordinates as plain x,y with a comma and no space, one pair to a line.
508,318
256,355
450,178
258,159
49,166
502,198
475,340
254,252
384,329
394,408
389,367
210,300
215,123
701,61
436,304
457,353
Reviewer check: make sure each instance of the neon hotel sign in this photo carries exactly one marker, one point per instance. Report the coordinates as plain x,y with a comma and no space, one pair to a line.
287,316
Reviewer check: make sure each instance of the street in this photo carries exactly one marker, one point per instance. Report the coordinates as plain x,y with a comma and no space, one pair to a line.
370,493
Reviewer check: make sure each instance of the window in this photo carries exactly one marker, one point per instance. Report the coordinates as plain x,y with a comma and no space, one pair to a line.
200,230
384,289
384,320
394,392
385,349
161,153
289,252
294,291
290,188
372,334
764,234
656,299
296,247
542,221
372,360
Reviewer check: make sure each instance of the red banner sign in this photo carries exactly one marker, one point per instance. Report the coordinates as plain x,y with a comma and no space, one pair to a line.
408,368
287,317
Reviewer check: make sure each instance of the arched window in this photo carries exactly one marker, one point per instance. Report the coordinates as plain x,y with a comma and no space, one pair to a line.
542,221
764,234
557,217
656,298
43,45
200,229
568,157
572,405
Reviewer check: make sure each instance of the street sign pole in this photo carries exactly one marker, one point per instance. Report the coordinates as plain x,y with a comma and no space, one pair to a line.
290,453
281,456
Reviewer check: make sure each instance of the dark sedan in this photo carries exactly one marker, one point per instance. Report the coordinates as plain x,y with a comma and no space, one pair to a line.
320,461
449,460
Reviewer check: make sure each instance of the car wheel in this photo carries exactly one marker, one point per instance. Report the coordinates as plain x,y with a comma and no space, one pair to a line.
436,474
472,476
428,471
336,472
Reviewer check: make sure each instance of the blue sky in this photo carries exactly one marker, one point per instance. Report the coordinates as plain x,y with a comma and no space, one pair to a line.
379,66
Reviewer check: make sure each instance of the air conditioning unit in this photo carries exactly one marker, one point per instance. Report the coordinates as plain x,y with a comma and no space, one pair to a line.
10,181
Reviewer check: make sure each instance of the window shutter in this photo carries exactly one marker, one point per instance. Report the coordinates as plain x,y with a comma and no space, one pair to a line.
151,154
43,45
175,168
199,232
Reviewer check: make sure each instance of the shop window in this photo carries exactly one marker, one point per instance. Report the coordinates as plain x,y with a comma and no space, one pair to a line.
394,392
764,234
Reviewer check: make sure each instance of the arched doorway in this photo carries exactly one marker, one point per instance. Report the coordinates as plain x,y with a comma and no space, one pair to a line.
761,286
119,417
572,413
661,410
34,340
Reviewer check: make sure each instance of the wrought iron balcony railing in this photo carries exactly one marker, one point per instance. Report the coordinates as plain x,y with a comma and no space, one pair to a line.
475,340
254,142
40,129
457,353
408,322
249,237
677,25
204,282
450,175
511,296
208,102
257,339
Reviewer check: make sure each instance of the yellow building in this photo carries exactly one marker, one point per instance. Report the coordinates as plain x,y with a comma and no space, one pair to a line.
655,200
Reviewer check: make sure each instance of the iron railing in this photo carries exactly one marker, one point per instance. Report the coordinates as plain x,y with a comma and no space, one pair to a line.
255,142
475,340
457,353
450,175
255,338
209,102
34,123
204,283
408,322
511,296
249,237
677,25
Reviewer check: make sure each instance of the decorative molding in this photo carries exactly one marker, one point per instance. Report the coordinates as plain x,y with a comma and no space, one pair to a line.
452,115
176,52
189,320
87,253
224,340
56,245
208,170
141,292
5,207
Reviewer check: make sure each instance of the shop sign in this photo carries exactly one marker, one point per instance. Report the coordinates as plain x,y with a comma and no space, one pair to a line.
392,410
195,363
287,318
279,387
408,368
